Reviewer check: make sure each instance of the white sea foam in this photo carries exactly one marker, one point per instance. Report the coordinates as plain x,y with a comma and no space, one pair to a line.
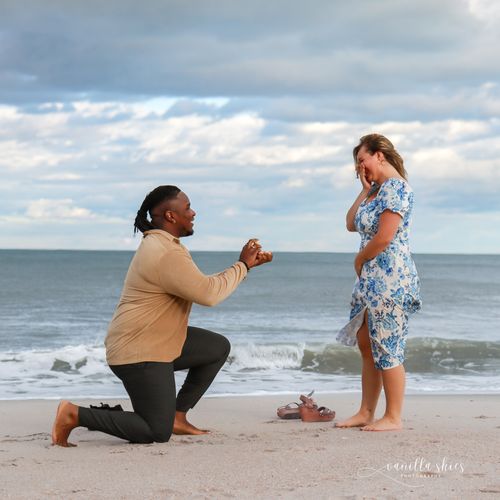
44,372
252,368
266,357
84,359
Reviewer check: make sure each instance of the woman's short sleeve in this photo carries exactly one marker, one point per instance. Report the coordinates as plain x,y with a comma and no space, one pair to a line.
395,195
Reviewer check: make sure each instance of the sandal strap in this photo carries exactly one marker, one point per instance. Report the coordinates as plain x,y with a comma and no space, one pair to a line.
289,405
308,401
323,410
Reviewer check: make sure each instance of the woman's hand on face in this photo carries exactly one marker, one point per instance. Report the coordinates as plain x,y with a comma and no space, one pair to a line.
358,264
361,174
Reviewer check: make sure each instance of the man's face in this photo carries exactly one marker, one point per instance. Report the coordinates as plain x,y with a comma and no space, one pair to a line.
183,214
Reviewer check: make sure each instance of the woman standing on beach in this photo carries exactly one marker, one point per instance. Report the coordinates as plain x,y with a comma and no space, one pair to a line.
387,288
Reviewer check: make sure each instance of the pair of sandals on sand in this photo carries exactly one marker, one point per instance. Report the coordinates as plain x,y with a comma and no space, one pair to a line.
307,411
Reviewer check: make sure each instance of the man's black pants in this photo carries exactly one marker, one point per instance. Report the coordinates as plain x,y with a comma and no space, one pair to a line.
151,388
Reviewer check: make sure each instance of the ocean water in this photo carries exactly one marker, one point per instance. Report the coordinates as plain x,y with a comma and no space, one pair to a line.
282,323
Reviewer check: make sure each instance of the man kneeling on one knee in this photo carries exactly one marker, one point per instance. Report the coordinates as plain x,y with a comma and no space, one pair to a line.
149,337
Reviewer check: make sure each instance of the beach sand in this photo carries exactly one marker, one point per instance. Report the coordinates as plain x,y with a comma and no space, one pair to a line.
448,449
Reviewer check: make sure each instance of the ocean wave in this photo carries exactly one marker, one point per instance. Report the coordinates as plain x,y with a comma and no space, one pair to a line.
82,369
423,355
68,361
254,356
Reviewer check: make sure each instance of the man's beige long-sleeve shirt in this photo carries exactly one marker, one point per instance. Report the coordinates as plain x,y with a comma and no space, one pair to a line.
151,319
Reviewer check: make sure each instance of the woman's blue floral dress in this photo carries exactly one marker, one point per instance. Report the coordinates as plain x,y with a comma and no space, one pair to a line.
388,286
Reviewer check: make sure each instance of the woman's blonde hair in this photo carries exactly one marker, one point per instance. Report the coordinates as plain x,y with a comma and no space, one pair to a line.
375,143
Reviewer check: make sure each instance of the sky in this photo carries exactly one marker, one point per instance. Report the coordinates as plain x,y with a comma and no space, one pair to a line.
252,109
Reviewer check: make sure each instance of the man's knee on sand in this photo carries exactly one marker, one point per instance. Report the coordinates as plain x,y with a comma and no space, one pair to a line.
160,435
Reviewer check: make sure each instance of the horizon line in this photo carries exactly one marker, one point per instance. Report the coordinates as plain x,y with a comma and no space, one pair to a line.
231,251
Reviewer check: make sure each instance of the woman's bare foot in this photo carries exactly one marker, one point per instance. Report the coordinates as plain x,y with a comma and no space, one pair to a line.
66,420
361,419
183,427
384,424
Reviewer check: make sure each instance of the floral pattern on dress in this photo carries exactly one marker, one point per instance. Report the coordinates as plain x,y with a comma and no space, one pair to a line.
388,287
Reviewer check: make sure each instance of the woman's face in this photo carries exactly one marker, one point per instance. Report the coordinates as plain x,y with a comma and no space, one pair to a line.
370,163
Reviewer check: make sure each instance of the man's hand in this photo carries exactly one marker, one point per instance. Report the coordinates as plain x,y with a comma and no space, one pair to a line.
263,257
252,254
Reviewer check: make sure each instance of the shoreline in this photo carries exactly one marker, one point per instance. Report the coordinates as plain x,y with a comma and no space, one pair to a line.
448,449
93,398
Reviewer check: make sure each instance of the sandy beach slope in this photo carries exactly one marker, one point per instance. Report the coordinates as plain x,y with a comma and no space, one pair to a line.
449,449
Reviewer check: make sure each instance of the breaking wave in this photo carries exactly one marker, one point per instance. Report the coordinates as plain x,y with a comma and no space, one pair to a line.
82,369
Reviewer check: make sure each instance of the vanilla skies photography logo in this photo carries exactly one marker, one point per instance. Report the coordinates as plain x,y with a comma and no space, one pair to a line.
402,472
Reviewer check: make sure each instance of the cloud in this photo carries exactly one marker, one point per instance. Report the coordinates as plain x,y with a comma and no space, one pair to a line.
467,102
396,57
63,176
251,108
60,223
295,183
244,173
488,11
57,209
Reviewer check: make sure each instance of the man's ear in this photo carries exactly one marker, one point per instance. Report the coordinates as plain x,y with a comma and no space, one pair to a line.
169,216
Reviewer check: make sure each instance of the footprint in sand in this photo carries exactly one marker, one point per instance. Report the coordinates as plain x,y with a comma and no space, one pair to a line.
248,437
40,436
10,463
495,489
185,441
